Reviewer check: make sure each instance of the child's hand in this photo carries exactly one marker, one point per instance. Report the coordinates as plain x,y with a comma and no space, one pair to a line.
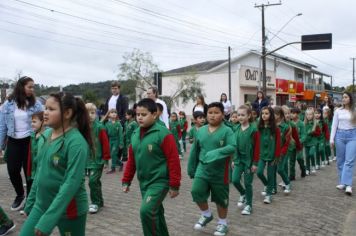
173,193
253,169
332,145
39,233
275,161
232,165
126,189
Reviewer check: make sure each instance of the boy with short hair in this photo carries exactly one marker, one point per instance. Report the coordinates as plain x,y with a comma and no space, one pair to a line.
209,165
198,121
154,155
97,159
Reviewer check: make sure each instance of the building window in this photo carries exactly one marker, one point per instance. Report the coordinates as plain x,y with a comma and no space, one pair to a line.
249,98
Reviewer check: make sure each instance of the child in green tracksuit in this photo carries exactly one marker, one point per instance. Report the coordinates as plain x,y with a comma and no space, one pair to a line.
297,155
234,121
322,139
246,158
159,113
286,133
154,156
209,164
184,127
327,115
97,159
198,121
175,128
130,126
116,139
6,225
58,192
270,149
312,131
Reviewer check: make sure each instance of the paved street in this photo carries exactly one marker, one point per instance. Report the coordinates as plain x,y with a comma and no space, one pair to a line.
314,207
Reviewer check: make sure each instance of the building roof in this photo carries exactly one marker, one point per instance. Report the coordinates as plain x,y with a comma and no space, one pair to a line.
209,66
203,66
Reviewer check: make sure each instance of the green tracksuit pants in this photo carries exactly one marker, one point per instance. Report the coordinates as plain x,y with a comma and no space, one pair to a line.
310,152
239,170
320,155
281,169
271,170
114,153
3,217
67,227
184,136
327,151
96,194
296,156
152,211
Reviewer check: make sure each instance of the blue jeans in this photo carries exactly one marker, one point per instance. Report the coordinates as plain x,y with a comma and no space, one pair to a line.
345,141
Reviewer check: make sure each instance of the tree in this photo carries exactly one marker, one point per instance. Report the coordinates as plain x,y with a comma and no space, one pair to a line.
351,88
90,96
139,67
187,89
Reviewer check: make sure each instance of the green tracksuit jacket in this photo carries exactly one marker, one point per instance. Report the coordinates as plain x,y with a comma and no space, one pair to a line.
58,189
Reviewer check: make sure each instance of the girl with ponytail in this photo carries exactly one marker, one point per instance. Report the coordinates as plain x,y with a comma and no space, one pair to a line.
58,196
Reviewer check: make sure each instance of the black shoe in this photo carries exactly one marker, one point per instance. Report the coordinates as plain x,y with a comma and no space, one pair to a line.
291,178
6,228
18,204
303,174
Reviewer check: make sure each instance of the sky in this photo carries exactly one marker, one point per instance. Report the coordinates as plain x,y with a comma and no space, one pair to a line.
73,41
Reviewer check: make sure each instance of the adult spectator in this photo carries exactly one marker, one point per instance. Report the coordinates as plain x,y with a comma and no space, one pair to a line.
15,127
327,103
227,106
152,93
343,135
260,102
117,101
200,105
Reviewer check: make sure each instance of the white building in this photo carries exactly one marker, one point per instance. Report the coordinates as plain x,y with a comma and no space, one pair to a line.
287,80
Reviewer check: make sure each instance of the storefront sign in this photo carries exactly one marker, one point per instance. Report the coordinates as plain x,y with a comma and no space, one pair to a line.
292,98
300,88
282,86
292,86
249,76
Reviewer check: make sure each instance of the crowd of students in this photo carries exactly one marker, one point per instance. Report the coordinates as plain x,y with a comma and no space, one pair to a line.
70,142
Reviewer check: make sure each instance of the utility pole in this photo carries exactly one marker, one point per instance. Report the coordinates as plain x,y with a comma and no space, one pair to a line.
229,49
353,76
264,80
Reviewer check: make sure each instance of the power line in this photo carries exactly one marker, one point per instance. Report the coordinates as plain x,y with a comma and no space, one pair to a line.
114,26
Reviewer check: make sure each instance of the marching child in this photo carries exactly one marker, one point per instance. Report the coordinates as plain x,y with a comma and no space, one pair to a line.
58,192
153,154
294,145
209,165
176,130
184,127
297,155
97,159
312,131
6,225
116,138
198,121
322,138
159,113
234,121
270,148
255,118
130,126
286,132
327,114
246,158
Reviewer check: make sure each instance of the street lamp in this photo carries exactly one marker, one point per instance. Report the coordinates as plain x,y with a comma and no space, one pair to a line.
274,35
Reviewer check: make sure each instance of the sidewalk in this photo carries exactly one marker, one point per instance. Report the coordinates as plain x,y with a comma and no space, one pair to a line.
315,207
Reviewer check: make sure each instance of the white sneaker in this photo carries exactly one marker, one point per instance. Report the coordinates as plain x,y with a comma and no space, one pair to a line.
313,171
323,163
241,202
268,199
264,192
287,189
307,172
348,190
334,159
317,167
93,209
282,184
340,186
247,210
